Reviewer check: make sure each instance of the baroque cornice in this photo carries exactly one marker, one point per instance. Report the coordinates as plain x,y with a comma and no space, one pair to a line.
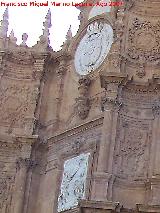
112,78
98,205
74,131
23,57
123,183
18,139
149,87
16,144
61,55
148,208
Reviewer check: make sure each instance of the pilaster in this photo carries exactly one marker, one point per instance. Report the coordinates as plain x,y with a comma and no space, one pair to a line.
20,181
23,164
103,178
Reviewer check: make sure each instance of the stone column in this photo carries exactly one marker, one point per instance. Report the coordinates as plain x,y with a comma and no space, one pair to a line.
103,177
20,183
104,169
23,164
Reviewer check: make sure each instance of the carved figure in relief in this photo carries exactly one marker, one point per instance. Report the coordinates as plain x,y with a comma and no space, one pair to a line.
131,156
93,47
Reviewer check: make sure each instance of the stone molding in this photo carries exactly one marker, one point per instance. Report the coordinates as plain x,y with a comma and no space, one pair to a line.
84,204
148,208
76,130
112,78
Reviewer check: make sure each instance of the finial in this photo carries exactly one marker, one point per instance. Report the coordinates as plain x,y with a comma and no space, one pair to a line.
47,24
44,41
4,24
12,37
5,14
69,34
66,43
48,19
24,39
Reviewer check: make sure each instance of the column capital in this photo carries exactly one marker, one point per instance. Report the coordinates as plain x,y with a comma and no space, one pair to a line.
112,78
109,103
111,83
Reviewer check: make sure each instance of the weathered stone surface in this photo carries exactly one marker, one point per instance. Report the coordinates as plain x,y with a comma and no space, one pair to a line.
103,103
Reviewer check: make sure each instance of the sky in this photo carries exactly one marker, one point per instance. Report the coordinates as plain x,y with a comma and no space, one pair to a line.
30,20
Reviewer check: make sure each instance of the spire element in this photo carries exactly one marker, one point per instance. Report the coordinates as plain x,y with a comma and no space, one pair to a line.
47,24
12,37
44,41
68,40
4,24
69,34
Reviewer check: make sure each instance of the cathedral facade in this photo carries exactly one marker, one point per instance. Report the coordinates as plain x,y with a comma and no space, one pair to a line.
80,127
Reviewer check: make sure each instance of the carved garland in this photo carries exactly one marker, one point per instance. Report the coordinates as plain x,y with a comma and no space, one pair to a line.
144,43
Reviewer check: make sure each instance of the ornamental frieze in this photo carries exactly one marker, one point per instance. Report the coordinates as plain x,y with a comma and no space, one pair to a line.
141,95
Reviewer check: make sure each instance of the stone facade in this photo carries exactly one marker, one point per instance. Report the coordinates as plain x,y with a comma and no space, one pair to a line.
53,119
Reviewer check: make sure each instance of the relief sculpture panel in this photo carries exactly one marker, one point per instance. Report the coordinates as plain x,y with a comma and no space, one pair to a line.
17,104
132,151
73,182
143,40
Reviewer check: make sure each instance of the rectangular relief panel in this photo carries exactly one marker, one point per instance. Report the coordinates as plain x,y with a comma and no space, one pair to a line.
131,158
73,182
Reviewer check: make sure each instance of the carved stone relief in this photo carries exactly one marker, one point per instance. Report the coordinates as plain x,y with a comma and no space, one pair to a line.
73,182
143,41
132,151
75,141
19,64
133,139
93,48
17,103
